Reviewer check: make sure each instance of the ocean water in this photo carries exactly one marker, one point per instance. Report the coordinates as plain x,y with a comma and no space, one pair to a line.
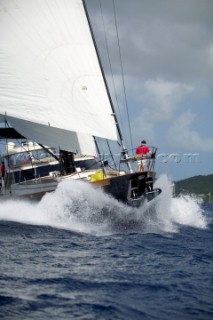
79,254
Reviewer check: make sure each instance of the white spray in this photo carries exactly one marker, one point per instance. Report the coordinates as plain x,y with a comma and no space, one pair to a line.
77,206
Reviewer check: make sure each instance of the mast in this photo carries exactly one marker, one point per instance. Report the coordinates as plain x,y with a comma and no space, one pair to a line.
124,150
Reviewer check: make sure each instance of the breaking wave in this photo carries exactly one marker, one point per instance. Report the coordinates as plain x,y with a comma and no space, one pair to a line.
79,207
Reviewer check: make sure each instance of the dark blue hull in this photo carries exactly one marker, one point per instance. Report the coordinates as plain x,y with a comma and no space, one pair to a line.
133,189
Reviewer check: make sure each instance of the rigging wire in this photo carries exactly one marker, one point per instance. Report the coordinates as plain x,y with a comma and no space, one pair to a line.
112,157
110,65
122,71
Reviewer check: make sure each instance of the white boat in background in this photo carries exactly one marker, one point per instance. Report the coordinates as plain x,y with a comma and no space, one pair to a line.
55,103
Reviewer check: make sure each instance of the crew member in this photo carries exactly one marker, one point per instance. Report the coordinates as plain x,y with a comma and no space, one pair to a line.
2,173
142,151
2,170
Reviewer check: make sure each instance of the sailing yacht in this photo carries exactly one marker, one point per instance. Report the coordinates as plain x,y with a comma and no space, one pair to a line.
55,104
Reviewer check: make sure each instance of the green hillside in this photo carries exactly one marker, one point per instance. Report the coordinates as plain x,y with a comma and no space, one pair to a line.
199,185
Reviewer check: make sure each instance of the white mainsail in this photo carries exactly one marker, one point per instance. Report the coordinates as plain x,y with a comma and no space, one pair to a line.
51,85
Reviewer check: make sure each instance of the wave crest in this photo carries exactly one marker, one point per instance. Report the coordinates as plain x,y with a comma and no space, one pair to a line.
79,207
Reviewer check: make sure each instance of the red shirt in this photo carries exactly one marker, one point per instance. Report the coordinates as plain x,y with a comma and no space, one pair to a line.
142,150
2,169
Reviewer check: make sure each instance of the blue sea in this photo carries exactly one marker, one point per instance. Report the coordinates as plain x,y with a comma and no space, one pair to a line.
79,254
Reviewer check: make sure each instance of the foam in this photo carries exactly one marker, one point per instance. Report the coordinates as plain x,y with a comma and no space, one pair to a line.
77,206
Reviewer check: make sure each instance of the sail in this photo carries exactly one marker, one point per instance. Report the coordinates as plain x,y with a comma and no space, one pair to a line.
72,141
50,77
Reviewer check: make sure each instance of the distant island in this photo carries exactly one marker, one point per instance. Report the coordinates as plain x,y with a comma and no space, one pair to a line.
200,185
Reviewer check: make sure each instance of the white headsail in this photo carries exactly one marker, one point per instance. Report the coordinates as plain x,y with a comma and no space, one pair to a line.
50,77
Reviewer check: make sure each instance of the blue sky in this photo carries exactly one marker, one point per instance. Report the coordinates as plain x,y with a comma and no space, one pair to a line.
167,57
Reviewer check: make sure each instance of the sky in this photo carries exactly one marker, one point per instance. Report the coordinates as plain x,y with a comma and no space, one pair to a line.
166,50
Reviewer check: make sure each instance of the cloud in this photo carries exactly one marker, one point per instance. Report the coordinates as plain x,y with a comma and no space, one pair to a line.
183,136
167,57
210,55
166,39
158,99
156,102
163,98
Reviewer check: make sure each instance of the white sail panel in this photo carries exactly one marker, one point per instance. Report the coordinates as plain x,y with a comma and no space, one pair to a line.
49,71
54,137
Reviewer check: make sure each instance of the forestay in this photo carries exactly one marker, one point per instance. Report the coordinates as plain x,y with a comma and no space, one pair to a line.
49,72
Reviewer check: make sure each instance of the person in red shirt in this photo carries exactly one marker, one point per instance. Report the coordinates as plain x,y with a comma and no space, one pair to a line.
2,173
2,170
142,151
